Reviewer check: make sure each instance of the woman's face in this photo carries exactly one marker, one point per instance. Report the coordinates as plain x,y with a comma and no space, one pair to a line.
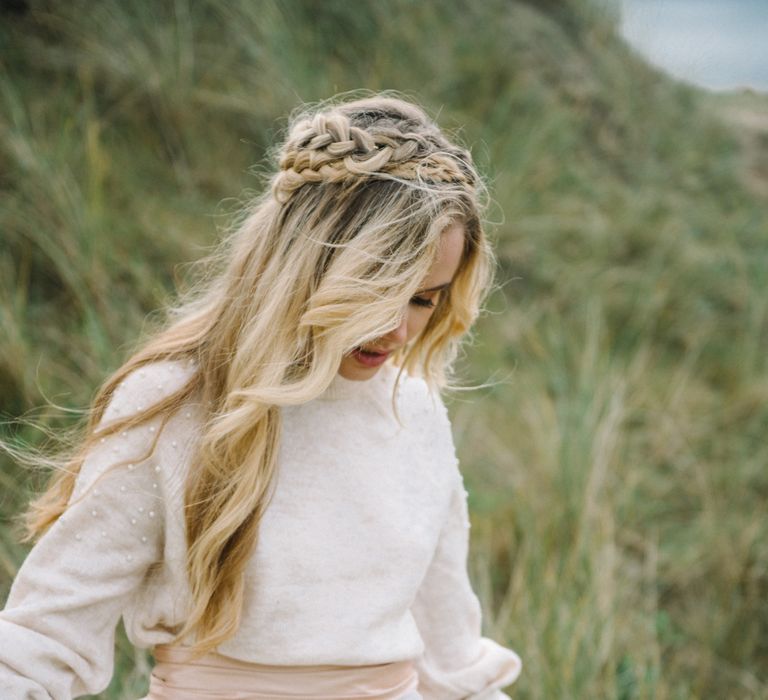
363,363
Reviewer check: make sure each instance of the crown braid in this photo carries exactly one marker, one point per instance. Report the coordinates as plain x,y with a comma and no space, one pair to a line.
369,138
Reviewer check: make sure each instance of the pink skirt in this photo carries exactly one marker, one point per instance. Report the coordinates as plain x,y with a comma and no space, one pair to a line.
215,677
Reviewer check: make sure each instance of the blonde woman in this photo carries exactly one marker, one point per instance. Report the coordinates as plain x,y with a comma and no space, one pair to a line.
267,491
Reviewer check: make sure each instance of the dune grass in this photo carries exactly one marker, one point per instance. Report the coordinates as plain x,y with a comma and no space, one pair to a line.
618,465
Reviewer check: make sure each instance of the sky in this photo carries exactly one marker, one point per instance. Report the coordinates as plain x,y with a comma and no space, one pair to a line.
716,44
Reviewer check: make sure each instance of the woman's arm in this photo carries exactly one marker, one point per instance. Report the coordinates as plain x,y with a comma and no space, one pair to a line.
58,627
458,663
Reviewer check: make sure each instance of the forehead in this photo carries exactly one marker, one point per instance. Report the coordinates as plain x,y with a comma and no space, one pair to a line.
448,256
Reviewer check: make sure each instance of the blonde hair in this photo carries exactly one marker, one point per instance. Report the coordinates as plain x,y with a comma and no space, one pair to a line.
323,261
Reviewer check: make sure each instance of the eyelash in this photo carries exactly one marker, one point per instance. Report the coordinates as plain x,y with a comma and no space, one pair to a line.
424,303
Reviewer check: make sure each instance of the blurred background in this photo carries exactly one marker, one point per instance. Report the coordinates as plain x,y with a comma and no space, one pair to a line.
714,44
617,467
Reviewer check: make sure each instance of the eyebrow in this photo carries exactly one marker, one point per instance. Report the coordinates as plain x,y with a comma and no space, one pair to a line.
435,289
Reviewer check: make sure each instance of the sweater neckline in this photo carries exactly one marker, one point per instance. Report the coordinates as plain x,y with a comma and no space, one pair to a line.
380,384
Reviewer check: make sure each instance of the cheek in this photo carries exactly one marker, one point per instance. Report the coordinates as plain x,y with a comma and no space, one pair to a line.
417,321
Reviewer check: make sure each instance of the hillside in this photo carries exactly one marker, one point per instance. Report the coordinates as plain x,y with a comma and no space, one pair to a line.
746,112
617,468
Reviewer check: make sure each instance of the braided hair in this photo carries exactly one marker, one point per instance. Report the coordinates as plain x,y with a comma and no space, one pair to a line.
381,138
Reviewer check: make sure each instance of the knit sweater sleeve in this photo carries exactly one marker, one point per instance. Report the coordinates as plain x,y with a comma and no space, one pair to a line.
58,627
458,663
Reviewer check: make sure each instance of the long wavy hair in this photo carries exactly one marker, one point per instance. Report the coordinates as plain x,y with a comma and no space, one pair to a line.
323,261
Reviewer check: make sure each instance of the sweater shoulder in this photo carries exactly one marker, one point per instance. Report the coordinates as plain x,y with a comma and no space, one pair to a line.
146,386
159,443
423,406
426,400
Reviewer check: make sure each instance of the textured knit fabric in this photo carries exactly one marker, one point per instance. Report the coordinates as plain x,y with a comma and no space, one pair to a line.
361,557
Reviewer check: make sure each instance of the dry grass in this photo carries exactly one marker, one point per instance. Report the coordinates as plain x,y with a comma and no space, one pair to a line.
618,469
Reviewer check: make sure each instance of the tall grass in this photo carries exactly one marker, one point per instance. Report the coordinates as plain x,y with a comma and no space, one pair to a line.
617,469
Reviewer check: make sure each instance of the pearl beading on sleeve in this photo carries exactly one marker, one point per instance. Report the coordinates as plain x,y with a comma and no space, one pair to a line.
137,491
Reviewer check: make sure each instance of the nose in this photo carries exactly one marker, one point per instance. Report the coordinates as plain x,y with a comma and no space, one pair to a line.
399,335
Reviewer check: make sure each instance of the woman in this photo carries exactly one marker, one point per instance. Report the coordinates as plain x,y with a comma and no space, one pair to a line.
267,490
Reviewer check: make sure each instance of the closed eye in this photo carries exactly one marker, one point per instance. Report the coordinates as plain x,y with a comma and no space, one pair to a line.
421,301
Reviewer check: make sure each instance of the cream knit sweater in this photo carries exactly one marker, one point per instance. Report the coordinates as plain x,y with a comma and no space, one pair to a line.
361,557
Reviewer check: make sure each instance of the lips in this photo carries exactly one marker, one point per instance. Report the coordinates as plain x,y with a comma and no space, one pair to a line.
370,358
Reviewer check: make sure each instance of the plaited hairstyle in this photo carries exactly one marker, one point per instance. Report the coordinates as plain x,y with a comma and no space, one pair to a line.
323,261
372,142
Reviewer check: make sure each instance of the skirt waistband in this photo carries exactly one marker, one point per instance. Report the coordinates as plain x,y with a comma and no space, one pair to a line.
177,676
